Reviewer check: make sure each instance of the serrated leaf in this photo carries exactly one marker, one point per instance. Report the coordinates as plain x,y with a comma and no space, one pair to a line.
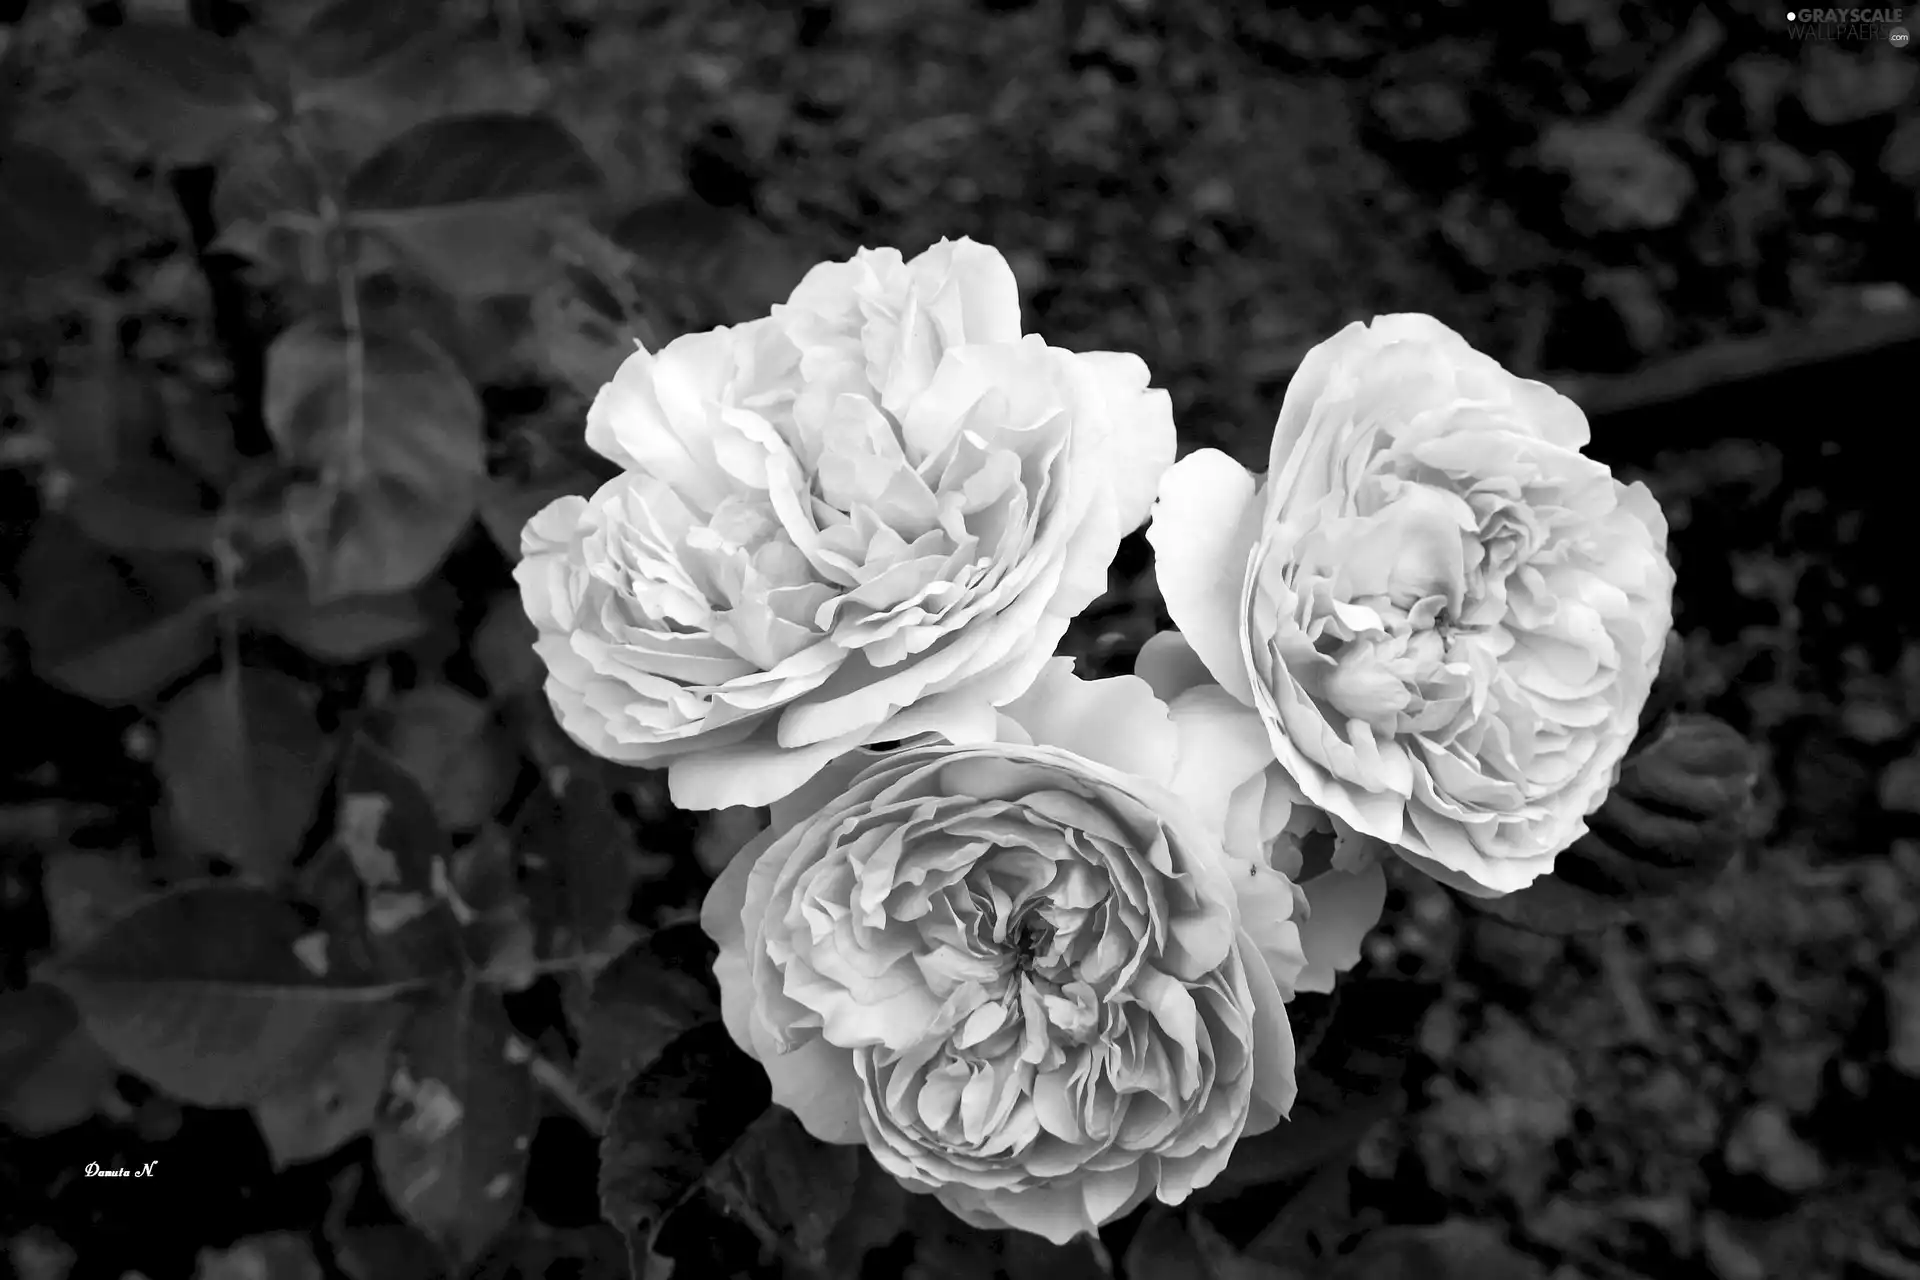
574,847
172,89
49,222
111,628
449,742
1172,1244
645,999
800,1189
52,1074
339,1101
240,757
472,199
670,1125
215,993
400,463
349,629
452,1136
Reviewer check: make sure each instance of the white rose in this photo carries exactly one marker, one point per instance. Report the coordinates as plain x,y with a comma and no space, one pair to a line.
865,517
1027,974
1446,616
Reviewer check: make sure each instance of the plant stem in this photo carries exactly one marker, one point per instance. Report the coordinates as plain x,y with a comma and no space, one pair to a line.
561,1087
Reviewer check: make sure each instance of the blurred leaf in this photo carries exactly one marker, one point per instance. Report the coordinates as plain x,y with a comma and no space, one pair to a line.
472,198
449,742
337,1103
1453,1250
577,341
452,1136
671,1124
648,997
85,890
495,917
1172,1244
505,507
1313,1223
385,1252
52,1074
49,222
801,1191
400,468
728,265
279,1255
503,648
574,847
217,993
399,850
350,629
1351,1083
147,508
172,89
350,39
1554,907
109,628
242,760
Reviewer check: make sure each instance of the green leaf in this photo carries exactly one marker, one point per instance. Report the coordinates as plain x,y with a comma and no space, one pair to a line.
574,847
52,1074
241,759
449,742
400,463
173,90
452,1136
218,993
472,199
338,1102
349,629
645,999
672,1123
49,223
115,629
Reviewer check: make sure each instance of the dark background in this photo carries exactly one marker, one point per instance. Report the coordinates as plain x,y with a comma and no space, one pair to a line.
1702,228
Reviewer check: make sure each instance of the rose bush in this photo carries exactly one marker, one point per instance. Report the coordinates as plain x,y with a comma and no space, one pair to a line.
1446,616
865,517
1041,978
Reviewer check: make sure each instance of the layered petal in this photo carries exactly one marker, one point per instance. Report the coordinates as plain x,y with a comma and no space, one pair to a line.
880,496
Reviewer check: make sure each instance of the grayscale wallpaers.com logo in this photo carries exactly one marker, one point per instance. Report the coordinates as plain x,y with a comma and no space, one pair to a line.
1849,24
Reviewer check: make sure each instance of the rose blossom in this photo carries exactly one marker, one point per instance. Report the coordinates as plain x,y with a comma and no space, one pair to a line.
1447,617
865,517
1030,975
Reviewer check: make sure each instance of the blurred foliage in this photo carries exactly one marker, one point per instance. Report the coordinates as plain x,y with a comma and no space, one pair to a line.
304,894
